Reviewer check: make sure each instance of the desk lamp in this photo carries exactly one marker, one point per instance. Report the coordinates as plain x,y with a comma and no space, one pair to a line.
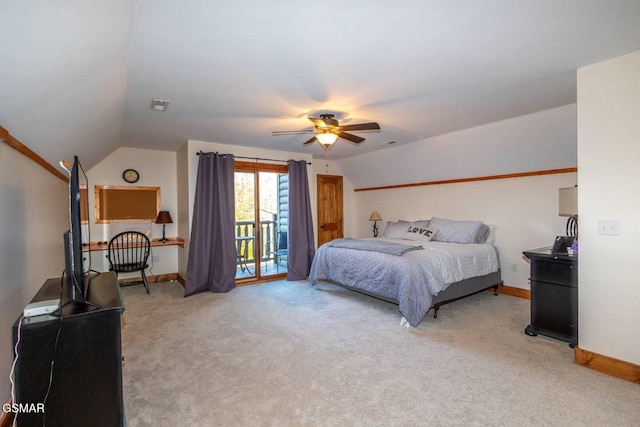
164,218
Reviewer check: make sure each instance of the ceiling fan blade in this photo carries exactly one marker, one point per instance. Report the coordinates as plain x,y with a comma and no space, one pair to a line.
292,132
311,141
319,123
361,126
351,138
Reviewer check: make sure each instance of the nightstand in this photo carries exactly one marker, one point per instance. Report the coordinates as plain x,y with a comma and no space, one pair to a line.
554,295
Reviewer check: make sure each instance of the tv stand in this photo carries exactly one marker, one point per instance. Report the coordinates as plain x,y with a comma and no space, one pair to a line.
86,386
79,306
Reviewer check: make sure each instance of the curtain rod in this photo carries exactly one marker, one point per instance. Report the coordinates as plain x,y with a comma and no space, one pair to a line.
249,158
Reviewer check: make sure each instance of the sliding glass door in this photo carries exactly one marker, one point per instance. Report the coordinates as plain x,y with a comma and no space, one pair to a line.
245,194
262,200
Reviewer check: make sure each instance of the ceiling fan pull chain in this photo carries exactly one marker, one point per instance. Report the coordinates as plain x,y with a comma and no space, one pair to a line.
326,151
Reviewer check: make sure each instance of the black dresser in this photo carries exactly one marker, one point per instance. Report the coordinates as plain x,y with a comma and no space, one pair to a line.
84,385
554,295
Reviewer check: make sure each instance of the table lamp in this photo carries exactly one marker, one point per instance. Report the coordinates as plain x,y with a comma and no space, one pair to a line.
164,218
568,206
375,217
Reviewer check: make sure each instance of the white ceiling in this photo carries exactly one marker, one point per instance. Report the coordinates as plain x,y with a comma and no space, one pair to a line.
78,77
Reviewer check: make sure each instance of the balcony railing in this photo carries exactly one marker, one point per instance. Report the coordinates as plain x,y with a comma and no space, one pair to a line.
246,240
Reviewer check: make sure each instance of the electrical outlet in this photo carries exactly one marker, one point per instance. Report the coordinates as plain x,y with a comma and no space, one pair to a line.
514,267
156,258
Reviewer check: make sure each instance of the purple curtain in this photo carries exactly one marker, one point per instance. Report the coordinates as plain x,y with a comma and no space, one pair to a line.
302,245
212,251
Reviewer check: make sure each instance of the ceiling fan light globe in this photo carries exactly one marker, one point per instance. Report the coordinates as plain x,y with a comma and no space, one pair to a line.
327,138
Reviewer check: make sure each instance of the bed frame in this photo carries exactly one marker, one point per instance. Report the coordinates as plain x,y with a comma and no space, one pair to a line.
466,288
453,292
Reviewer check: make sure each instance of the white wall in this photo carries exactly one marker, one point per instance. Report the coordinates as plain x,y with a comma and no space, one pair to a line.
183,165
34,214
157,169
543,140
63,77
609,173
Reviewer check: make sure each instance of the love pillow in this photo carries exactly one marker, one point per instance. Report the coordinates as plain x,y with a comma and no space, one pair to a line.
424,234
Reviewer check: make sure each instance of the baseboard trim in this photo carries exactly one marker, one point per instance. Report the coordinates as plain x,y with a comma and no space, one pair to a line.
513,291
155,279
163,277
180,279
608,365
6,419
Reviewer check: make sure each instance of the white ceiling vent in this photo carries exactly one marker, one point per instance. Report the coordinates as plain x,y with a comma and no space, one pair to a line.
159,104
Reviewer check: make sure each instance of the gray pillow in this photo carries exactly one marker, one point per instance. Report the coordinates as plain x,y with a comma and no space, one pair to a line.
483,234
455,231
395,230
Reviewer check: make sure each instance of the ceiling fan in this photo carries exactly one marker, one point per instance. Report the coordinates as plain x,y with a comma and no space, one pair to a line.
327,130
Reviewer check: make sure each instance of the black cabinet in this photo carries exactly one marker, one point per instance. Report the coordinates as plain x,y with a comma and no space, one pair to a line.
554,295
74,360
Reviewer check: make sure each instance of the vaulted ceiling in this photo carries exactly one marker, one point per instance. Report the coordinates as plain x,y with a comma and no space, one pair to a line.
78,77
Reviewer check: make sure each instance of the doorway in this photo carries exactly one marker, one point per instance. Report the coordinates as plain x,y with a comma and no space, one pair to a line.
330,214
261,221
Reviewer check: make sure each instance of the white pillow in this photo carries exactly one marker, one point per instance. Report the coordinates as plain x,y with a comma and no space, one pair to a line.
492,234
420,233
455,231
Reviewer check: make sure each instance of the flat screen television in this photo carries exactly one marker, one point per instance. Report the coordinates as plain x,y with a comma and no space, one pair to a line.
74,265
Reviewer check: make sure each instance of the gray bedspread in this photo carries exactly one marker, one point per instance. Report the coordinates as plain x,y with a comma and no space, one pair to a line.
383,246
410,280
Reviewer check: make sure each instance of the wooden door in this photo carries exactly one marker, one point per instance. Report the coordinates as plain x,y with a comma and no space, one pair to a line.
330,215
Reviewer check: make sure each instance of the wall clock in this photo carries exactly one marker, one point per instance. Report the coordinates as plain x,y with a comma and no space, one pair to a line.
131,176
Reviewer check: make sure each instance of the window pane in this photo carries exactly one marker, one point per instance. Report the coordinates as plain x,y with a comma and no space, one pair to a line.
274,215
245,223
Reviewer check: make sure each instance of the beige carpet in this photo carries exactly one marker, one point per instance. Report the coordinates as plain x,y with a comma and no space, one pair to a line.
287,353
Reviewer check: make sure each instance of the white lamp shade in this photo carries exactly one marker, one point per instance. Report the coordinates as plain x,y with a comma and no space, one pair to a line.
568,201
326,138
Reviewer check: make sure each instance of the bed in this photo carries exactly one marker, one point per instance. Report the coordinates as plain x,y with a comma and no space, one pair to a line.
418,265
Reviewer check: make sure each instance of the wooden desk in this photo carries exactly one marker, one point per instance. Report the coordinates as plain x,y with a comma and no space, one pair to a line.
102,246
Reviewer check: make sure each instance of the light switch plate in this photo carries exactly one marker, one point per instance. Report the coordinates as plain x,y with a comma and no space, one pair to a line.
609,227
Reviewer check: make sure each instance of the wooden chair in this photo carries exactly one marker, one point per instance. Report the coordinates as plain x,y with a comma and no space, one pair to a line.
128,252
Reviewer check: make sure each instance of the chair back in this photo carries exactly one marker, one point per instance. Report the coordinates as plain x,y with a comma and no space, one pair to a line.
128,251
282,240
